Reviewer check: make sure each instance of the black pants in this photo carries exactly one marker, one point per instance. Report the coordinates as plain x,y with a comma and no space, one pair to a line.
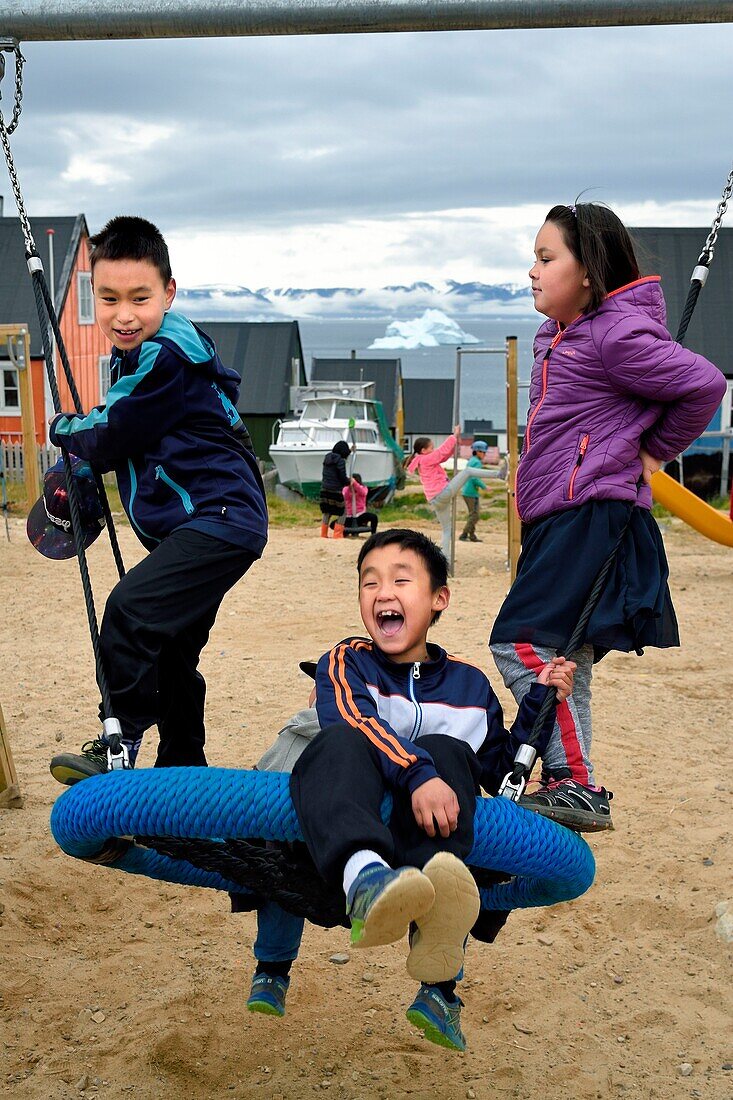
337,788
156,622
364,519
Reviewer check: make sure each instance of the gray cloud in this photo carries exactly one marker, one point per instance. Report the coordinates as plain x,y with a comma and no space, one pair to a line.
283,131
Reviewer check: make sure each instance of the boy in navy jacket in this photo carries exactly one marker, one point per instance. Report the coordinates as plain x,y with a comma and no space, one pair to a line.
190,485
400,715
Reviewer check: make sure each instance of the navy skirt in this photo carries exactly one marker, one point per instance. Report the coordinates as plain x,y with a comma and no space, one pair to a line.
561,557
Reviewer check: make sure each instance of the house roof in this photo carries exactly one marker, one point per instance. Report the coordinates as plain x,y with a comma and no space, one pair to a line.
261,352
673,253
428,406
17,301
386,374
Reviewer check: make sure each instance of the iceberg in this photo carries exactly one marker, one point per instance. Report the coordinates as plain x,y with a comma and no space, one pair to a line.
434,329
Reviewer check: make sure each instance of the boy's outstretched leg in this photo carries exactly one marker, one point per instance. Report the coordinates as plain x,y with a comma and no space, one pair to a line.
437,942
175,590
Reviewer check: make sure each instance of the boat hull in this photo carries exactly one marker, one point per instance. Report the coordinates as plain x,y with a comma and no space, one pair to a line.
300,468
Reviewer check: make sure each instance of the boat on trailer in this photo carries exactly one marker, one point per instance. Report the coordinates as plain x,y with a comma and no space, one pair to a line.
329,412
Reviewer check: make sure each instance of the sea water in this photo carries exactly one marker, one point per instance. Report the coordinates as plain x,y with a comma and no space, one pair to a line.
483,377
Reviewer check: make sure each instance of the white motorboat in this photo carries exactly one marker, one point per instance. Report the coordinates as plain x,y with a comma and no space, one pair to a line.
327,413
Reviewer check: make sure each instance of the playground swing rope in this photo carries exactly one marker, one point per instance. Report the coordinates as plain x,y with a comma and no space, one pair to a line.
214,827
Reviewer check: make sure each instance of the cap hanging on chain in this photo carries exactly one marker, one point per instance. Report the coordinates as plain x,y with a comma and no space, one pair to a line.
49,521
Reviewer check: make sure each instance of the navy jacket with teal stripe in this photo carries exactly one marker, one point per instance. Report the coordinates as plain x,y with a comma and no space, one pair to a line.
170,430
394,705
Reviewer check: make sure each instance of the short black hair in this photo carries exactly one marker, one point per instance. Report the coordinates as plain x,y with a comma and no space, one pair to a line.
429,553
130,238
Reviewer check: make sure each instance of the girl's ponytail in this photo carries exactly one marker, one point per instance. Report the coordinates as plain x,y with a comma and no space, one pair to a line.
419,445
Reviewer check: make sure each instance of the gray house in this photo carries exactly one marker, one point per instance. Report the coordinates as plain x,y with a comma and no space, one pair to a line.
268,357
428,410
673,253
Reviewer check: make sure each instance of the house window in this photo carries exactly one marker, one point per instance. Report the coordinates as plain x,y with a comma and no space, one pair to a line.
104,380
86,298
9,392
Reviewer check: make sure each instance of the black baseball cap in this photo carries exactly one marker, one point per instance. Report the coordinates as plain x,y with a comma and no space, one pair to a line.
49,521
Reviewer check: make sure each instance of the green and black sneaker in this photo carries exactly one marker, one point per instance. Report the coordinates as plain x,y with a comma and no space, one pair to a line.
95,758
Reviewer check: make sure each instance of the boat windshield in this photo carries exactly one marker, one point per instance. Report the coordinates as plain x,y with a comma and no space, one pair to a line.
320,409
293,435
357,410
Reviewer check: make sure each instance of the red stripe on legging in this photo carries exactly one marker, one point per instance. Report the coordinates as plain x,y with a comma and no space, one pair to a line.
568,732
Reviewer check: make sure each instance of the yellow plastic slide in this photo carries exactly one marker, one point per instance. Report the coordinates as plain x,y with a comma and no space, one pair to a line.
710,523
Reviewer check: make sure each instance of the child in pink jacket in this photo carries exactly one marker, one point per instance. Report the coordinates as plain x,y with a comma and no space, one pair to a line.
439,491
355,496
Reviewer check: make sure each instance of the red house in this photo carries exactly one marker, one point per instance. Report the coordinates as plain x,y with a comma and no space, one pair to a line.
61,243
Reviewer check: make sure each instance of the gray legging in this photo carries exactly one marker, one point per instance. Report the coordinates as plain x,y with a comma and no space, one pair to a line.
568,751
442,503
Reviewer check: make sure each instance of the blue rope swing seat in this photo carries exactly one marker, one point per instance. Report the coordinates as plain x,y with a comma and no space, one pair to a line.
196,826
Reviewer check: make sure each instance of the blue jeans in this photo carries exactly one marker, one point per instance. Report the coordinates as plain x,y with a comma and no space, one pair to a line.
278,934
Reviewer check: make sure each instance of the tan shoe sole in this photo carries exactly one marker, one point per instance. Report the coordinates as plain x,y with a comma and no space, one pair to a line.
406,899
436,953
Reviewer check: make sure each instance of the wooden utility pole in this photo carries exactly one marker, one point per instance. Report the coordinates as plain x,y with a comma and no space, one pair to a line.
514,527
10,796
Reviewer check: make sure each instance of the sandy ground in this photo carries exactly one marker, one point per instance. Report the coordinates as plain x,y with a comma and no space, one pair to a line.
119,986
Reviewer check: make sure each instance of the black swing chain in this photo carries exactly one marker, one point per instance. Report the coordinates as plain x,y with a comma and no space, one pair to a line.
516,780
49,322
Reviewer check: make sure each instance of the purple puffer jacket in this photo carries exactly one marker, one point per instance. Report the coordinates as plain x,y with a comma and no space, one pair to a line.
610,383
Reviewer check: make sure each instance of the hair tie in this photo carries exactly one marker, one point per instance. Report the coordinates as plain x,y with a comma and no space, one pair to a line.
573,211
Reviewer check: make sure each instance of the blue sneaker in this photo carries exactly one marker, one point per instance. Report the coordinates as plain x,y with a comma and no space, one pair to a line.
381,903
438,1019
268,994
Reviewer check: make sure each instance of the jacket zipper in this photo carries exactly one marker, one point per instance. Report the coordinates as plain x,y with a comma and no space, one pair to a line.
578,462
415,675
161,475
556,340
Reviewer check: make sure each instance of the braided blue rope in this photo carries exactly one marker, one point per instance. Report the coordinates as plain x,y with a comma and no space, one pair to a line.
550,863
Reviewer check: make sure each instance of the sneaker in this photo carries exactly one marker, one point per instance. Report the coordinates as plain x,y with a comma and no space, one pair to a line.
438,940
381,903
438,1019
267,994
473,538
70,768
585,809
463,538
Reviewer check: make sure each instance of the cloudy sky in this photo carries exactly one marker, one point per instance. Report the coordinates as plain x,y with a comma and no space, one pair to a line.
375,159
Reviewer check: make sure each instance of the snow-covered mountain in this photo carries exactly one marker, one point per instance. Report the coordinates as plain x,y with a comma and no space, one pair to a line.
239,303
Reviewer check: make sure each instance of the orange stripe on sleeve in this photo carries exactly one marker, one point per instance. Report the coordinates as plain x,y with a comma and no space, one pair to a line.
347,708
406,758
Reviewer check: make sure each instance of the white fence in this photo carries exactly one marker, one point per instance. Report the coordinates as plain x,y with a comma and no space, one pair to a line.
11,459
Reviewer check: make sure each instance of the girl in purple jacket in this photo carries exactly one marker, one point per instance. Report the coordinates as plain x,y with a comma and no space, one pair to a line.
612,398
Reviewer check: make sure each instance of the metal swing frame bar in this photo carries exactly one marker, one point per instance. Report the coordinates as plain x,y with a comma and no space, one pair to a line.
63,20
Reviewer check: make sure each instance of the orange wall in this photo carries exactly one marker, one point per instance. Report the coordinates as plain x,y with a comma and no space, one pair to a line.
84,345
